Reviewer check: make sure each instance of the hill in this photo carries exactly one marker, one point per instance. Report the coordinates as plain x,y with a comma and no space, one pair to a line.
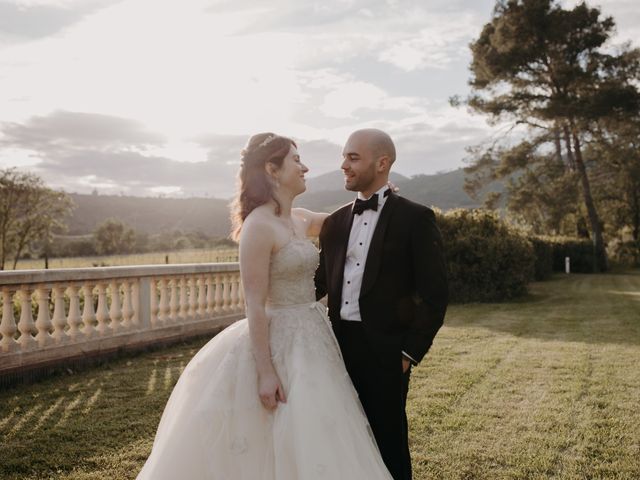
442,190
151,215
211,215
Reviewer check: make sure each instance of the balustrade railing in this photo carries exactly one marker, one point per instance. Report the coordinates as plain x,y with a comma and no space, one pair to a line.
87,311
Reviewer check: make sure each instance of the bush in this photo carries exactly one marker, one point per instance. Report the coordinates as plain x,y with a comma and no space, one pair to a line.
625,253
543,252
487,260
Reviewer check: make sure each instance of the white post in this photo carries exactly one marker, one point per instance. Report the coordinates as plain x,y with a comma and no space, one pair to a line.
567,265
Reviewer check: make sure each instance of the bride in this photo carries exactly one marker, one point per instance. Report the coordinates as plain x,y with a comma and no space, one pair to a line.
269,397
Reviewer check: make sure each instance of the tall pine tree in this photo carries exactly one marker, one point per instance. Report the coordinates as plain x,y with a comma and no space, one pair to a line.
545,67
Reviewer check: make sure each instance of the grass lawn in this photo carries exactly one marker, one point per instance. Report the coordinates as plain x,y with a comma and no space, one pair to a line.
546,387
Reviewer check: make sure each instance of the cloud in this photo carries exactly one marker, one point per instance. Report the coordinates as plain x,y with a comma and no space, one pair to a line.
28,20
81,151
135,174
72,130
222,148
320,156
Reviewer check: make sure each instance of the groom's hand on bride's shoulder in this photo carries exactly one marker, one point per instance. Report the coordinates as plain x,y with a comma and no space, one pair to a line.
406,364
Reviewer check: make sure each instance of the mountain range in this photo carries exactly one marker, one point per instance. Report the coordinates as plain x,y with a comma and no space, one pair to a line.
211,215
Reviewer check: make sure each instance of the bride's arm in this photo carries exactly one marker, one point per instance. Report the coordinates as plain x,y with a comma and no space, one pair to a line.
256,243
312,220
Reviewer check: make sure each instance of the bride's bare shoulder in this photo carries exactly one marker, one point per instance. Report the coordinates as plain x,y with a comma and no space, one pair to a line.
258,227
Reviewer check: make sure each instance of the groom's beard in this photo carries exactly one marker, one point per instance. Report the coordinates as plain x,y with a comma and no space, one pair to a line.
361,181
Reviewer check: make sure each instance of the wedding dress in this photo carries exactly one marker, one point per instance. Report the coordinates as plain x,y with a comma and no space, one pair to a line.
214,425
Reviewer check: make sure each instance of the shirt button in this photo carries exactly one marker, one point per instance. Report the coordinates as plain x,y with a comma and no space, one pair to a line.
348,282
365,223
360,243
357,264
346,303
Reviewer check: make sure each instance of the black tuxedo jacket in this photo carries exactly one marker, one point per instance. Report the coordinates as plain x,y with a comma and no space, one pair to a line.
404,292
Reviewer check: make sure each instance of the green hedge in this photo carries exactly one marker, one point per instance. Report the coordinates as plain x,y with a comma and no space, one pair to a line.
487,260
543,252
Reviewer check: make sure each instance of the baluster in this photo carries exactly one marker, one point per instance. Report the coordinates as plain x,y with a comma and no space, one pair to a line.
202,297
8,325
127,306
59,320
74,319
102,313
226,301
184,301
219,297
193,299
241,296
88,312
155,308
233,294
211,298
135,303
115,312
43,322
163,313
26,325
173,303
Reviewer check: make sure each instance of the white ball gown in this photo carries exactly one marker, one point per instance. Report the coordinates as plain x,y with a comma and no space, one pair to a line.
214,426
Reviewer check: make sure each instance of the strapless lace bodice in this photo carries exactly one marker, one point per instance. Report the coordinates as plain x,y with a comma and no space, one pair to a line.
291,273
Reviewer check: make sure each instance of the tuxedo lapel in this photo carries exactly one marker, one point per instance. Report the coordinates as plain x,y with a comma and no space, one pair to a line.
374,256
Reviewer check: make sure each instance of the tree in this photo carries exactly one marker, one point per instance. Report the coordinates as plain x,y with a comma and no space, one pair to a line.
617,148
114,237
542,67
29,213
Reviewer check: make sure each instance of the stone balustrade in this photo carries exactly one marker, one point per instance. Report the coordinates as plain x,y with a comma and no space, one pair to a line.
50,317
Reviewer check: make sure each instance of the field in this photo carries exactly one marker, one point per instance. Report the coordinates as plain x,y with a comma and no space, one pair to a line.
545,387
153,258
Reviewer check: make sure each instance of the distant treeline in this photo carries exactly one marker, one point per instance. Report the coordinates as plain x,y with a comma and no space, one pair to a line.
114,237
150,215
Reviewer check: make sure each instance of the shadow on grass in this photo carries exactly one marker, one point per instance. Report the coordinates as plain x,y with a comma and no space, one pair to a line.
602,308
101,419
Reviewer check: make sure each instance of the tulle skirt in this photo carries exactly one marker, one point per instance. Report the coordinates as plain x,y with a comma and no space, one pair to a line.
215,427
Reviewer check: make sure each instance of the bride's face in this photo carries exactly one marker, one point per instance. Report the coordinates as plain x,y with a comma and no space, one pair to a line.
291,174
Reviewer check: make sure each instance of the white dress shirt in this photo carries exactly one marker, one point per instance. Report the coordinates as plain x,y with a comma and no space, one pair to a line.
359,240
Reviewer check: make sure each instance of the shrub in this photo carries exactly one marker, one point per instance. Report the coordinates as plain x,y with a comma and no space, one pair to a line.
543,252
487,260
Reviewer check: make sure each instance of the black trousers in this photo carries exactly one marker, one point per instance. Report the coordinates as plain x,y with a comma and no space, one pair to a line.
382,388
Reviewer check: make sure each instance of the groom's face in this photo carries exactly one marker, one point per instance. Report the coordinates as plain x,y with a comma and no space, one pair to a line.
359,164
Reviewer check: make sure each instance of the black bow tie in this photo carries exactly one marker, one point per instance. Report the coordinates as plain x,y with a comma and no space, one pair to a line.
372,204
361,205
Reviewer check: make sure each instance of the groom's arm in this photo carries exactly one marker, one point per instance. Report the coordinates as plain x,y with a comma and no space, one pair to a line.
432,292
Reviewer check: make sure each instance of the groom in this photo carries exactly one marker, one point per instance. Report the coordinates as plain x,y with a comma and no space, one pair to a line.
382,266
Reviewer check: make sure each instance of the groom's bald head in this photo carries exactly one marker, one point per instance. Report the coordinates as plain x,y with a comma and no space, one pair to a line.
378,142
367,158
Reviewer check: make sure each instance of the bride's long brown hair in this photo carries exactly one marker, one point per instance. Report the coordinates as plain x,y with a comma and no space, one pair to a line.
254,187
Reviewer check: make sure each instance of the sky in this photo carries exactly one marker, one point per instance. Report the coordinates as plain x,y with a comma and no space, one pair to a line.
158,97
